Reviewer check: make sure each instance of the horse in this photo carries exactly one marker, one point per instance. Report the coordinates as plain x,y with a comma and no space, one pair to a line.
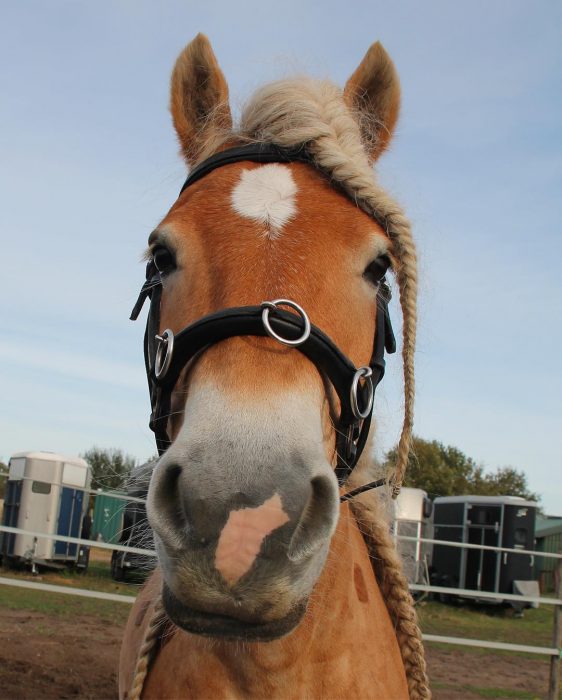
278,577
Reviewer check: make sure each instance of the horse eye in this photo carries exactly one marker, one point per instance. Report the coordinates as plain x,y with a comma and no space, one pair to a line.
163,260
377,270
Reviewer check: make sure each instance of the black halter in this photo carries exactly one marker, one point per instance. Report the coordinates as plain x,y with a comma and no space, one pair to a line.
166,355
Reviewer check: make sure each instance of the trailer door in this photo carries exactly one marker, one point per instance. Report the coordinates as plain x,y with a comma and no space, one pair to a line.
484,524
11,512
70,519
518,533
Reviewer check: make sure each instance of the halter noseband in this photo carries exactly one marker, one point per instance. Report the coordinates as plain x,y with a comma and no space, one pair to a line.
167,354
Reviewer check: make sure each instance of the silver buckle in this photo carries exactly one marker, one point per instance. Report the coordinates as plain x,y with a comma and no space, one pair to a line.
362,373
163,353
269,305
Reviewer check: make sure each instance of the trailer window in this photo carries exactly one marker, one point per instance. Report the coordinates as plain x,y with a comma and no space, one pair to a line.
41,487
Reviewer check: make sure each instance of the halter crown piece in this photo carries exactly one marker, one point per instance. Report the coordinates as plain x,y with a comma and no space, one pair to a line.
166,354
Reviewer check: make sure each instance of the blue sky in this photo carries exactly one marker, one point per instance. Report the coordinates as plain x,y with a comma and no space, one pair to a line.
89,164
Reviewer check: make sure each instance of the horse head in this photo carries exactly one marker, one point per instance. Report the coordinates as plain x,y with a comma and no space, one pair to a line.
244,500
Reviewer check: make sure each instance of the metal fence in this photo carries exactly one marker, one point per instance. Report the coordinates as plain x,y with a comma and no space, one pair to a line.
554,651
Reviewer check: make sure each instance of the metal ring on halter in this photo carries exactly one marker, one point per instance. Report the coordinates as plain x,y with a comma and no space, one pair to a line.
163,353
362,373
268,305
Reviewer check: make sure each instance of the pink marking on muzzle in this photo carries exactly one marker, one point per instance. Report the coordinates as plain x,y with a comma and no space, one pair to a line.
242,537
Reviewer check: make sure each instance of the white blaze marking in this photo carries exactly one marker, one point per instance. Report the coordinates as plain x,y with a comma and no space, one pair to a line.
266,195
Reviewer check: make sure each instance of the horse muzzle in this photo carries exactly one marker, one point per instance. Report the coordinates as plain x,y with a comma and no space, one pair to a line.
241,537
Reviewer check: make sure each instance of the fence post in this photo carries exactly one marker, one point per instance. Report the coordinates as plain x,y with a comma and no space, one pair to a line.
554,682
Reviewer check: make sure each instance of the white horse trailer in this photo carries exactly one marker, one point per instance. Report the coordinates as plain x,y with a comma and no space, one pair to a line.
46,493
412,518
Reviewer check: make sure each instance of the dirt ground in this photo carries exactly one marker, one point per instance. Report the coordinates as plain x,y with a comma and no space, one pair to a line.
453,670
48,657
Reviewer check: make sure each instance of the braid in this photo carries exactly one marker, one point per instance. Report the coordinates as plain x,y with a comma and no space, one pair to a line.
394,587
406,273
147,648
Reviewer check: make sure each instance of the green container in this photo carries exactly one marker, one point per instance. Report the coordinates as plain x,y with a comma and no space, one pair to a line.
108,517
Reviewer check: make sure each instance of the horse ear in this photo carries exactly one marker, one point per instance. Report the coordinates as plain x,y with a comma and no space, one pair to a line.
373,92
199,98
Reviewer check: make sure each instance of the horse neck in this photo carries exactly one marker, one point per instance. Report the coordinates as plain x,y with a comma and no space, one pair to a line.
344,645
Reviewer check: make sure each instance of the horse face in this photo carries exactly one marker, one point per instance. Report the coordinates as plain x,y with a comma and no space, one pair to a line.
244,501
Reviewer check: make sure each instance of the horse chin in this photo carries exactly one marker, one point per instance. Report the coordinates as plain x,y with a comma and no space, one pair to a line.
226,627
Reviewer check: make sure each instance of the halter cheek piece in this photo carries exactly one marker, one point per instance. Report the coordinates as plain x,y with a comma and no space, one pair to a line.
167,354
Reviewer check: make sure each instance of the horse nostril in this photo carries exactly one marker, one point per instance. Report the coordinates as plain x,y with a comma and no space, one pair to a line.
318,519
169,486
165,511
166,494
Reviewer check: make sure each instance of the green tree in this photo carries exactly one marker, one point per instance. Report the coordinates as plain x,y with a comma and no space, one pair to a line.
443,470
507,481
110,467
438,469
3,478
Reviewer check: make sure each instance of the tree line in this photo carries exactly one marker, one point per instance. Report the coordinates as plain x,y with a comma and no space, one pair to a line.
441,470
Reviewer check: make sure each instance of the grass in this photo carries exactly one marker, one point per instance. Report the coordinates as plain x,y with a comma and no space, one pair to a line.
492,623
487,692
96,578
60,605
